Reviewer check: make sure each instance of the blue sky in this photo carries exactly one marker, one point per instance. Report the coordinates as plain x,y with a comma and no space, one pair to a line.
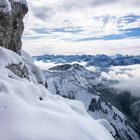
82,27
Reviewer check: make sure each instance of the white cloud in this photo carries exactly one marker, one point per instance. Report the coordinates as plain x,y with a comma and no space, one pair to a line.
55,46
128,77
131,85
94,19
45,66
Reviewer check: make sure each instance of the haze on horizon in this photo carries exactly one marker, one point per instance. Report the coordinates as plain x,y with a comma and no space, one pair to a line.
82,27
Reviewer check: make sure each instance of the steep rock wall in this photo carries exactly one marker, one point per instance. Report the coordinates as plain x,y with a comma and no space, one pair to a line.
11,26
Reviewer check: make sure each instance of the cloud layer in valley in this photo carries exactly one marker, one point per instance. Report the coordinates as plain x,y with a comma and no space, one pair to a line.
128,77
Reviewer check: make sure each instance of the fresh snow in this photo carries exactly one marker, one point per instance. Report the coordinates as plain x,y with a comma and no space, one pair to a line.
23,116
107,125
33,69
8,57
5,6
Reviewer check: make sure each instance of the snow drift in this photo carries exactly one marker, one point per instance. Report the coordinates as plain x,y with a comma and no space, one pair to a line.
29,112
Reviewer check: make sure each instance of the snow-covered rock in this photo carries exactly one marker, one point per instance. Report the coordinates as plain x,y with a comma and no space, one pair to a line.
9,57
5,6
35,72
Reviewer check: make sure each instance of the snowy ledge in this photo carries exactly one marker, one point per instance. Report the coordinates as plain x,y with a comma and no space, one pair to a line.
5,6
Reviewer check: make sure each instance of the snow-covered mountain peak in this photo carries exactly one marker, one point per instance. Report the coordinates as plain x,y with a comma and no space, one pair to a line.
101,101
67,67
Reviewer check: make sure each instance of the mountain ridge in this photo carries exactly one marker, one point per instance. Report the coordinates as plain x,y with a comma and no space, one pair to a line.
99,60
102,101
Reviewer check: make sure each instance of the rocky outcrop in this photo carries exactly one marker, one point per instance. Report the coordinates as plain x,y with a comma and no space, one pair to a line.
17,70
11,29
11,26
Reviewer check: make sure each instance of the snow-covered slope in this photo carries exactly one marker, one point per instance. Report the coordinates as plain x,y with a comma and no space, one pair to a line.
76,82
28,111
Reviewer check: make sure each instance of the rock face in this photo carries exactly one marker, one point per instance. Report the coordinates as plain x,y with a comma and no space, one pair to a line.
17,70
11,26
11,29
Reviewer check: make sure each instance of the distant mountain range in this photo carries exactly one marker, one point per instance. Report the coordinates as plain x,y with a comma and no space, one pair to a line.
99,60
82,77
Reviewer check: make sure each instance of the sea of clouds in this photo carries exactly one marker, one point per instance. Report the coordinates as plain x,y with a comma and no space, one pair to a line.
128,78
